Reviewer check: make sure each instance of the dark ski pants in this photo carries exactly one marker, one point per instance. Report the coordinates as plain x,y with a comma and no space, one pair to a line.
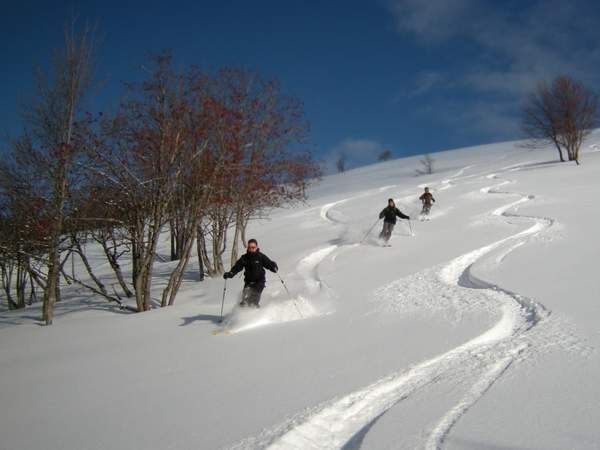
251,294
386,232
426,209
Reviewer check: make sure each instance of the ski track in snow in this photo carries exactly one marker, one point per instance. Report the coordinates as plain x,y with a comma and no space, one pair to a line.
307,268
295,308
327,208
449,182
299,306
344,421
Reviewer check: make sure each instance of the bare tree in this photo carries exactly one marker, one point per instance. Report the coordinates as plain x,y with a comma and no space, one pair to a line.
427,165
269,166
562,113
340,163
385,155
52,120
161,156
138,158
49,150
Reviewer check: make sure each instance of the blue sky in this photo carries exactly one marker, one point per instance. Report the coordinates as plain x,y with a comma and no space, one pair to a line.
411,76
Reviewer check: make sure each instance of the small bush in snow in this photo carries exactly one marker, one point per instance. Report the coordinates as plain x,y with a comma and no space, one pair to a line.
562,114
427,165
385,155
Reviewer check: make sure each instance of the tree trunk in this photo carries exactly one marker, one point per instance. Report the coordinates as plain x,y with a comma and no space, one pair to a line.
236,238
170,292
219,244
114,264
560,153
7,283
143,282
244,226
37,277
173,232
199,251
221,251
208,264
92,288
21,283
33,294
52,291
87,266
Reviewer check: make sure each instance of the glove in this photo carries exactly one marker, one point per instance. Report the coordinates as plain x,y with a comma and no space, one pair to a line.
275,268
407,217
227,275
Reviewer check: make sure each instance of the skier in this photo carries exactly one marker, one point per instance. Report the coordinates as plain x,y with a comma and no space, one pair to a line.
254,263
389,219
427,199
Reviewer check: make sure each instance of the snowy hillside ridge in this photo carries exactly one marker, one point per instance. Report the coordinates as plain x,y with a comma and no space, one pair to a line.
487,308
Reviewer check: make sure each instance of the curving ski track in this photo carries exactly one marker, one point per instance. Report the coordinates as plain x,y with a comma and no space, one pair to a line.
326,209
344,422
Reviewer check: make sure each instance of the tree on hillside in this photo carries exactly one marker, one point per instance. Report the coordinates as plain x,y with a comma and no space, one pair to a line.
385,155
562,113
271,167
150,154
427,165
340,163
50,155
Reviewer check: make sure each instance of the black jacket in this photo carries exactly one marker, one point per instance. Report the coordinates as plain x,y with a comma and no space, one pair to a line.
389,214
254,264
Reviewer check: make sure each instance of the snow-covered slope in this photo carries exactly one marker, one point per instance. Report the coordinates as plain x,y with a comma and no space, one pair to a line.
476,329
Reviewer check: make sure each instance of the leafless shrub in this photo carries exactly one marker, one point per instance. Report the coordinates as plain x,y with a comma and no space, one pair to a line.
385,155
562,113
340,163
427,165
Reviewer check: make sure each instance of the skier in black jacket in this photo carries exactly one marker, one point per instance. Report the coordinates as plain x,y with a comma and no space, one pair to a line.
389,215
254,263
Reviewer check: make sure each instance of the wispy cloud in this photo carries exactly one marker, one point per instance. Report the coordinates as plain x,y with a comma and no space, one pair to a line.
519,44
432,20
425,82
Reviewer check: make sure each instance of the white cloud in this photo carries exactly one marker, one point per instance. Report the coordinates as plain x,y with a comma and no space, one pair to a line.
425,82
518,47
432,19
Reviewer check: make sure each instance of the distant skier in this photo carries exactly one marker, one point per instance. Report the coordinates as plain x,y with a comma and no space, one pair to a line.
254,263
427,200
389,215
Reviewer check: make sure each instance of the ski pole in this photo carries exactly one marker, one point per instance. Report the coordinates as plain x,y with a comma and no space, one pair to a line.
369,232
410,226
290,295
223,301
